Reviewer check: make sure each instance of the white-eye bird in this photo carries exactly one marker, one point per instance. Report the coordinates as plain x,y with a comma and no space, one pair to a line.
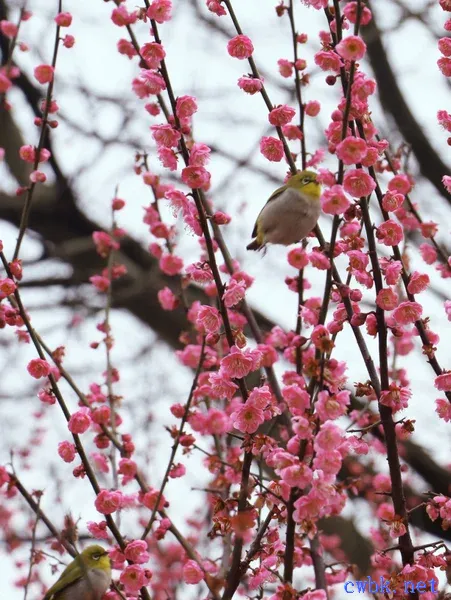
87,577
290,214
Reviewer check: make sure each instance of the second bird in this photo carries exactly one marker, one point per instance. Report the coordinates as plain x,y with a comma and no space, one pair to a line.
87,577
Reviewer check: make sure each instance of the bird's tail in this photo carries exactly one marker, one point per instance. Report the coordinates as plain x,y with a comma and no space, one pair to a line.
254,245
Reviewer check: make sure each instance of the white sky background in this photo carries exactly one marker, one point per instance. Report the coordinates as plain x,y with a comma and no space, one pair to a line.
198,64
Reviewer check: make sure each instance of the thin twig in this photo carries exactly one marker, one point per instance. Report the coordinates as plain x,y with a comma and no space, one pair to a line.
176,442
42,138
32,549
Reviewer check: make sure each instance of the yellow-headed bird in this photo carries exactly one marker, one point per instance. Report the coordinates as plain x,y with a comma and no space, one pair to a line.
290,214
87,577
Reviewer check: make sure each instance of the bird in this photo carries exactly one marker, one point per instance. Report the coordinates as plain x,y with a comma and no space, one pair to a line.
87,577
290,214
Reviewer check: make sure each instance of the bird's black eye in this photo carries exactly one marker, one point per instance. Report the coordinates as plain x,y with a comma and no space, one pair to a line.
306,180
96,556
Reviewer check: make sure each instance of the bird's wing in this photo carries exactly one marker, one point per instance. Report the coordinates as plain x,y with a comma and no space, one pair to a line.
70,575
273,196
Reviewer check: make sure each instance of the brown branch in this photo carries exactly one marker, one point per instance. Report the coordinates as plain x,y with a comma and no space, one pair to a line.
255,546
318,563
32,551
42,136
42,516
397,491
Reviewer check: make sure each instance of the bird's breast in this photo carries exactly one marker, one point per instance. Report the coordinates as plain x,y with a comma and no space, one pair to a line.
91,587
289,218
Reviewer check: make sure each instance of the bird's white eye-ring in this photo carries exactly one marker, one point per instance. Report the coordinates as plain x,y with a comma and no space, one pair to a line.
96,556
305,180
